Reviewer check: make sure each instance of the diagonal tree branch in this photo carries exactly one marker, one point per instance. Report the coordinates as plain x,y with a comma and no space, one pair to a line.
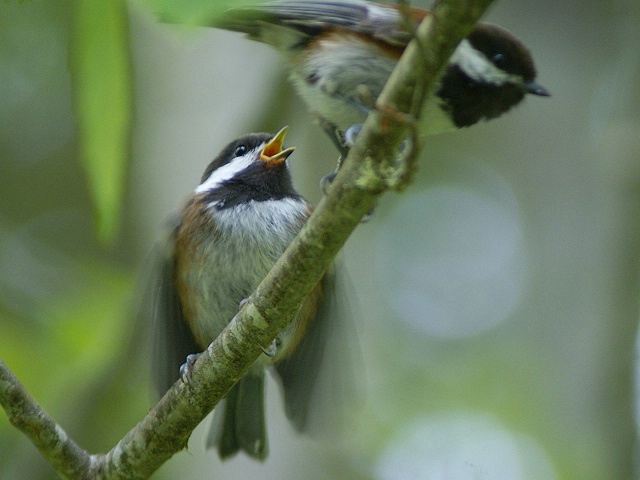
371,168
50,439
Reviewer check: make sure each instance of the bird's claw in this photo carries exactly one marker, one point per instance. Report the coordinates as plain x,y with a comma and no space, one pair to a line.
186,369
350,135
271,350
326,181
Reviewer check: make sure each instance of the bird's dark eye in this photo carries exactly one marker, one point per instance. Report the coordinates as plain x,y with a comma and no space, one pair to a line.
499,60
240,150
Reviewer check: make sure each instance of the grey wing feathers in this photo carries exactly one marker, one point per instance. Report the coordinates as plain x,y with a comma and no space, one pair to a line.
172,338
339,14
299,372
318,379
311,18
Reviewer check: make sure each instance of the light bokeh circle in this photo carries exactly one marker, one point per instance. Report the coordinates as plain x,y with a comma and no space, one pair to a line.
468,446
452,258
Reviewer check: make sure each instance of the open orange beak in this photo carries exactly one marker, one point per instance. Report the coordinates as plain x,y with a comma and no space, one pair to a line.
272,153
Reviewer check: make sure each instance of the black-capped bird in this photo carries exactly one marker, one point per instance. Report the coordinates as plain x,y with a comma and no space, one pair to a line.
340,54
239,221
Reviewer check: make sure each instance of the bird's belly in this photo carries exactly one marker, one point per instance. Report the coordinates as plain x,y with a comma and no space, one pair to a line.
229,267
329,107
340,83
341,78
216,290
344,113
220,301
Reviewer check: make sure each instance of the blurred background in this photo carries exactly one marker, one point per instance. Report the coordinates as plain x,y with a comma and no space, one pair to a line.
497,299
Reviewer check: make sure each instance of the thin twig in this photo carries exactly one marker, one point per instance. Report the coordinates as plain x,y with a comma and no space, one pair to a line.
29,417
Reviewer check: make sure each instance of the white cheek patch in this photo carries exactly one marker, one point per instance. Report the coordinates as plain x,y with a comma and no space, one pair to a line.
226,172
382,14
478,67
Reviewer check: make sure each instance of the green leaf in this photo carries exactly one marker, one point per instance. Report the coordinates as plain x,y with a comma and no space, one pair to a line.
190,12
101,78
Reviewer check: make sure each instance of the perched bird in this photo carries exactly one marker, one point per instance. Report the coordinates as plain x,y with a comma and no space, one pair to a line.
239,221
340,55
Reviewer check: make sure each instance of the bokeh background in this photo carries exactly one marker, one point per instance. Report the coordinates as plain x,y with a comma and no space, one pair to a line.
497,299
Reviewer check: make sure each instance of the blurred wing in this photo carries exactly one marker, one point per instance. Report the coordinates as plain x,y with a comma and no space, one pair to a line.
304,20
172,338
319,378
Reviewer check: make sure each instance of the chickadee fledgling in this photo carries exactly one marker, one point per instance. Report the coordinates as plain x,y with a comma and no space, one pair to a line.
340,55
239,221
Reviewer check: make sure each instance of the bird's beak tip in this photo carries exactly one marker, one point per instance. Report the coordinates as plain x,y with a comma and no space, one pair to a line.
272,153
534,88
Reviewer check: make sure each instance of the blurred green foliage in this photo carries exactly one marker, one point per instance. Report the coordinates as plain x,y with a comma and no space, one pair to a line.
67,322
189,12
100,68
